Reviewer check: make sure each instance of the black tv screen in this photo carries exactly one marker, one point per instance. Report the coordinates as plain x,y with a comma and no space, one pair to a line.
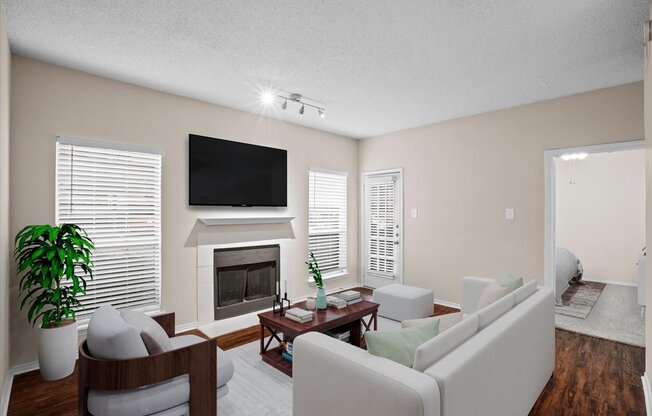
223,172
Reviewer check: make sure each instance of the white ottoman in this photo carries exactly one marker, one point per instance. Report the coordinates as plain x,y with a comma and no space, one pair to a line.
401,302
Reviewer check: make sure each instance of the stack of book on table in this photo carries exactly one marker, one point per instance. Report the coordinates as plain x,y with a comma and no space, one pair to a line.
335,302
351,297
299,315
287,354
342,335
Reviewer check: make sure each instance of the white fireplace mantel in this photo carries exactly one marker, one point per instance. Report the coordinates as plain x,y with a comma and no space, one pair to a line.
245,220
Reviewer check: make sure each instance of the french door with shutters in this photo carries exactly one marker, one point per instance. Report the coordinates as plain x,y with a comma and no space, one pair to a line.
382,226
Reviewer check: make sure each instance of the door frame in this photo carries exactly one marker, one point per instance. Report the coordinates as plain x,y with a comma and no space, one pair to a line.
549,156
362,256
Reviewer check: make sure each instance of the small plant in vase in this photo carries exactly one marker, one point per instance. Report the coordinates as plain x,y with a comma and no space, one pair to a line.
54,262
313,268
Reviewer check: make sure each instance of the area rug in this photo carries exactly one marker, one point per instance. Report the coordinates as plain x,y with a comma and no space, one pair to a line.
256,388
578,300
615,316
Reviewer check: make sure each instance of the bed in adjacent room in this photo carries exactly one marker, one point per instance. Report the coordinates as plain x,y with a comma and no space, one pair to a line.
567,268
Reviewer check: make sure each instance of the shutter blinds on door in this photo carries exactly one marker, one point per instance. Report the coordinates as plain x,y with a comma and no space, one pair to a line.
115,195
327,221
380,202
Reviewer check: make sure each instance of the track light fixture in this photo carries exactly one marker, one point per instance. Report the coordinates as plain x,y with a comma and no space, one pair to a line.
297,98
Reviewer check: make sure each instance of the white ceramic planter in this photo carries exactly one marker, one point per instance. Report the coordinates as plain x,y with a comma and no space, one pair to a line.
57,351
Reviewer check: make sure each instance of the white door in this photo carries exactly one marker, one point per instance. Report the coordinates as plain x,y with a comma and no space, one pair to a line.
382,225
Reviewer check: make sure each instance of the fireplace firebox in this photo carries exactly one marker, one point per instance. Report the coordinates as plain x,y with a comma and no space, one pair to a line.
246,279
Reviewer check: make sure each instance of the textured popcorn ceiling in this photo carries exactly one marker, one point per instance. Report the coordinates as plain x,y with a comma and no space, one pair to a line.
376,65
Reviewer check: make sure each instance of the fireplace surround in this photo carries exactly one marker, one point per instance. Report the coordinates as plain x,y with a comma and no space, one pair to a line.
245,279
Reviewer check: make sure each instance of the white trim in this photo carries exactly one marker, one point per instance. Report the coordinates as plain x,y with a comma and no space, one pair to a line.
361,192
646,392
185,327
6,393
104,144
24,368
447,303
550,192
245,220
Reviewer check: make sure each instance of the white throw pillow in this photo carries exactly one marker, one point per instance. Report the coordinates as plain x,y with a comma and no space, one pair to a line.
492,293
154,337
433,350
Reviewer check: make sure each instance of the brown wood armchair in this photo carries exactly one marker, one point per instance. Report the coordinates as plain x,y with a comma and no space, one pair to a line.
197,361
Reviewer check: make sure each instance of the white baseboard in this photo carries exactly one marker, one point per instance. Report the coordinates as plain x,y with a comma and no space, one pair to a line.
646,392
185,327
447,303
6,393
612,282
24,368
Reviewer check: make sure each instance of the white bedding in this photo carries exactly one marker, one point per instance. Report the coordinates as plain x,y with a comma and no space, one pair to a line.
565,269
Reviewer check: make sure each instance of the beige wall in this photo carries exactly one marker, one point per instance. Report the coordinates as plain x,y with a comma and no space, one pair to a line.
600,213
5,249
462,174
50,101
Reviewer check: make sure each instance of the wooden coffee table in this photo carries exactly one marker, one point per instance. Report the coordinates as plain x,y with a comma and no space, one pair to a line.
350,317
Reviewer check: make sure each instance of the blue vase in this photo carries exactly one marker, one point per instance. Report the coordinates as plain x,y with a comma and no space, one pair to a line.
320,302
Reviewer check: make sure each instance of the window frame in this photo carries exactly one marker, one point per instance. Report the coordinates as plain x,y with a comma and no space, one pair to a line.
343,270
118,147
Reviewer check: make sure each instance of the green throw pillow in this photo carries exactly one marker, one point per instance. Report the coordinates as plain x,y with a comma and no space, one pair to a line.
511,282
400,346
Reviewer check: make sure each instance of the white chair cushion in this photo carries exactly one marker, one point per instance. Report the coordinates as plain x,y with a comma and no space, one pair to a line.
445,321
525,291
431,351
224,363
494,311
141,401
111,338
153,335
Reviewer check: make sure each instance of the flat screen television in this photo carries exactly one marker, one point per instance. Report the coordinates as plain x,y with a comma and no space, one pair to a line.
223,172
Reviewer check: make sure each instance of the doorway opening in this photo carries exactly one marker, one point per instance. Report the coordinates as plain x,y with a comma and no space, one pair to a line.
595,239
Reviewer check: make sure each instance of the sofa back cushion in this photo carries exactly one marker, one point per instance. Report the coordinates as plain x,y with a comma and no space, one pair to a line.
153,335
431,351
491,293
400,345
490,313
111,338
525,291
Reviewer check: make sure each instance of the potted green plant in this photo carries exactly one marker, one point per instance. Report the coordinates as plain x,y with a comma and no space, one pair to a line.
315,272
54,262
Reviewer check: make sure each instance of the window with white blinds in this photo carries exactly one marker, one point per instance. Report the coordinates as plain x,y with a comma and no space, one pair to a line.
327,221
115,195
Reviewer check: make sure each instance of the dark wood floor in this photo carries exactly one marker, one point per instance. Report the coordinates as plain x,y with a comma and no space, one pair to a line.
592,377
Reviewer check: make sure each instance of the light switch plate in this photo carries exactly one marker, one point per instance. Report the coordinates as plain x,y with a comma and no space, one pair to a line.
415,212
509,213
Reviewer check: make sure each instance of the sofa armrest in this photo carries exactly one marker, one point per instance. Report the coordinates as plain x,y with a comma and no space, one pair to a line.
471,289
333,377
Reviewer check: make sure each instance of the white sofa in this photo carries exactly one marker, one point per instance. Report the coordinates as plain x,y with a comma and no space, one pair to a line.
500,359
